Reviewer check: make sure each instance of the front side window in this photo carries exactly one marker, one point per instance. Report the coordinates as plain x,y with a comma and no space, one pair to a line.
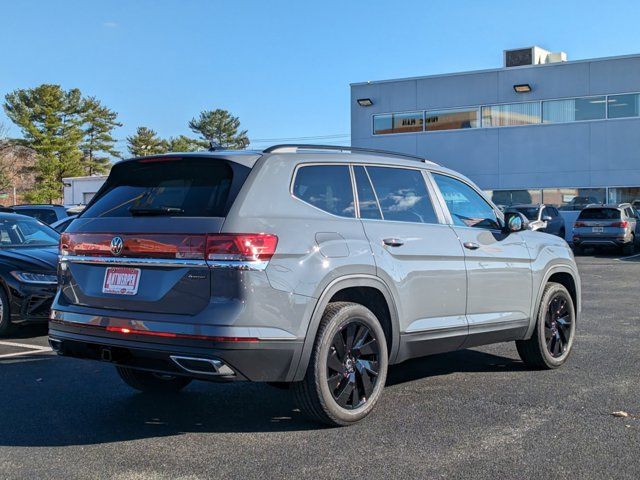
327,187
402,194
467,207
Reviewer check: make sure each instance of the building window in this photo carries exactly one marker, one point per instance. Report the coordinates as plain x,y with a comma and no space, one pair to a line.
574,109
506,198
573,198
408,122
451,119
621,106
511,114
625,195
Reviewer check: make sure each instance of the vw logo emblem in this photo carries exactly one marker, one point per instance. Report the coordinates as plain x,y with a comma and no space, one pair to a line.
116,245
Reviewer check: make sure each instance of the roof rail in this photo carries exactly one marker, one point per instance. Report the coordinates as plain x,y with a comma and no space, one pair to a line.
294,147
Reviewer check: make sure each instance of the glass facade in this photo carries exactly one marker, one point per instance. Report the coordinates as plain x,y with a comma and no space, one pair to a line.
506,198
623,106
574,109
451,119
625,195
511,114
563,198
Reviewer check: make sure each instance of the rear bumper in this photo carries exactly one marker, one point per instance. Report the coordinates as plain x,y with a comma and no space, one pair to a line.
259,361
601,241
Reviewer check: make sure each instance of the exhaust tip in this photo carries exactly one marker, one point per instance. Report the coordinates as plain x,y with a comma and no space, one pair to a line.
203,366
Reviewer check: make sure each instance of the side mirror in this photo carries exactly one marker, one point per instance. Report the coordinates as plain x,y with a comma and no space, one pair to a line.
515,222
546,218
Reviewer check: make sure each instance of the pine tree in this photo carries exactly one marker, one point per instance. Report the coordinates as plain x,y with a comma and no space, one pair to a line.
98,146
50,120
146,142
221,127
182,143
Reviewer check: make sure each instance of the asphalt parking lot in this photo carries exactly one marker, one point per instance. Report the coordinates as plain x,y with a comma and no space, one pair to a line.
470,414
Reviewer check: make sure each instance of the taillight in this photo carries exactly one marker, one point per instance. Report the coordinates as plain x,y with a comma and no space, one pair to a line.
623,224
579,224
241,246
219,247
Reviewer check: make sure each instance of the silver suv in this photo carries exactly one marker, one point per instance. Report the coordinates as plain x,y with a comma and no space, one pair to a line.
606,225
303,266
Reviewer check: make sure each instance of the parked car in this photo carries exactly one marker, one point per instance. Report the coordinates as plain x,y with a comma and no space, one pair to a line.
606,225
61,225
28,259
544,218
313,267
45,213
578,203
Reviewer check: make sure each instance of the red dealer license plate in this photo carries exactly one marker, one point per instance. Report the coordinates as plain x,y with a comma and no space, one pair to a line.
121,280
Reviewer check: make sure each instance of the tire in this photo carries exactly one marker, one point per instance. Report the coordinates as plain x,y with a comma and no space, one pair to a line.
6,327
152,382
628,248
552,339
341,385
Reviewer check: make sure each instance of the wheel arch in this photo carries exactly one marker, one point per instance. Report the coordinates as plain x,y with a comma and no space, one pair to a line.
566,276
349,288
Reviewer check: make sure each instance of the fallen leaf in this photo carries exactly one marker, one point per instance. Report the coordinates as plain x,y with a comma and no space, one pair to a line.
620,413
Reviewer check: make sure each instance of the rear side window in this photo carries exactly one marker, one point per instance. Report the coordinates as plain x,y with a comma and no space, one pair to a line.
599,214
194,187
402,194
327,187
45,215
367,200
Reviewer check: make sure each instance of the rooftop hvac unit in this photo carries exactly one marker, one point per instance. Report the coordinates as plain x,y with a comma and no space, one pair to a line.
531,56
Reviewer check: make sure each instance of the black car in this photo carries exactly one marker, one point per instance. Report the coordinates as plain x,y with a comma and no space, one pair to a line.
46,213
28,262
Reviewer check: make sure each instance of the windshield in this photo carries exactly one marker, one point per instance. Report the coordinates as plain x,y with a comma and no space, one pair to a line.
25,232
599,214
530,212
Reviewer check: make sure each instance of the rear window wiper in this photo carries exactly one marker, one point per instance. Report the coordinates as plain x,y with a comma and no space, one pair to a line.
155,211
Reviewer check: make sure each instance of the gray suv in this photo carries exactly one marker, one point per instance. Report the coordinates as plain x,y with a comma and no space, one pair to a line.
606,225
308,267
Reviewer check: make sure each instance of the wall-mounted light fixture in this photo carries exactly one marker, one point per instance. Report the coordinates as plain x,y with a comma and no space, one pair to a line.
522,88
365,102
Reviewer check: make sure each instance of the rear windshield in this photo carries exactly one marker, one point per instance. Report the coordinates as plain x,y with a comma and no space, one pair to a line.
194,187
599,214
530,212
46,215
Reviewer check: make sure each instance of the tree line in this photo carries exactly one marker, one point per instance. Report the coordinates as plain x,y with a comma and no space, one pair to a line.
73,135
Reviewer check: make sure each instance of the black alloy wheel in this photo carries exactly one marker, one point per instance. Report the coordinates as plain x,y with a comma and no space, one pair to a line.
353,365
557,325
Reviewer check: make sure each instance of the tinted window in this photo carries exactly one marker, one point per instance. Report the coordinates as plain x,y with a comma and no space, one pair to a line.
366,197
599,214
402,194
192,188
26,233
327,187
45,215
530,212
466,206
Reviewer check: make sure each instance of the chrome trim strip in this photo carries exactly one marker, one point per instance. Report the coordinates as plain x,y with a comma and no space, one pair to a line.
259,265
135,262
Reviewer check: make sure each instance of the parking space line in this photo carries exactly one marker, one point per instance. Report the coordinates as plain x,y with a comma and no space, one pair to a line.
19,354
630,256
24,345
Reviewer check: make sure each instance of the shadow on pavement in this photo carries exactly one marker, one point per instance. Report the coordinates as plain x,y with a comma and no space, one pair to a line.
59,402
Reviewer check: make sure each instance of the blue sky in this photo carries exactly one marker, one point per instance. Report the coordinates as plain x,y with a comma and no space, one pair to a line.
283,67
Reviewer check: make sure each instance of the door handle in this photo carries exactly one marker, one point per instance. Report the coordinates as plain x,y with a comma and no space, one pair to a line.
393,242
471,245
